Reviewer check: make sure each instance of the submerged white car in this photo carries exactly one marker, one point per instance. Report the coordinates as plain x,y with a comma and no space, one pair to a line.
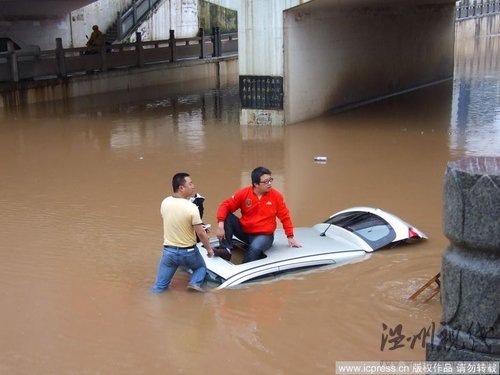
346,236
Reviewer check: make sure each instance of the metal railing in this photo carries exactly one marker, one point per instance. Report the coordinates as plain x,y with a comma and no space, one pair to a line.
470,9
66,62
128,21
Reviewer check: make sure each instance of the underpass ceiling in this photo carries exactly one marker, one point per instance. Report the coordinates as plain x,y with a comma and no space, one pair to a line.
12,9
320,5
49,8
39,8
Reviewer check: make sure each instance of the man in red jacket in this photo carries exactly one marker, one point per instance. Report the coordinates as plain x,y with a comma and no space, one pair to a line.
259,205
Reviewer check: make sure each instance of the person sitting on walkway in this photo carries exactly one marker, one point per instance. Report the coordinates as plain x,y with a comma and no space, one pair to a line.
96,40
259,205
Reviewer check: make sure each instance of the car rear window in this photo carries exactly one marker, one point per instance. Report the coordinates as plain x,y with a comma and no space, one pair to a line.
374,230
3,44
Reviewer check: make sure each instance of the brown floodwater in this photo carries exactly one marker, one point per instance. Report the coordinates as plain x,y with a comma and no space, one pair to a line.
80,188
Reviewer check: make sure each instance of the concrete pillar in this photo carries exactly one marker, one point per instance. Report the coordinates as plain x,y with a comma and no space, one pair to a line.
470,270
260,45
138,49
61,62
260,49
12,61
201,34
173,46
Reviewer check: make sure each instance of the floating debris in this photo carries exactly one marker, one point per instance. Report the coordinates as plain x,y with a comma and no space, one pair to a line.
320,159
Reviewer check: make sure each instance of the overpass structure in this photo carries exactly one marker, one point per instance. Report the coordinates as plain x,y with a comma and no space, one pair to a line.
301,58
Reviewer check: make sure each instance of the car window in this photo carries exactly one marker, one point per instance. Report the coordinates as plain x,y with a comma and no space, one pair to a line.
3,44
213,277
371,228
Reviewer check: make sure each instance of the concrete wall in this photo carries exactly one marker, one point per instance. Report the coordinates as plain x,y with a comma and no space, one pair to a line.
102,13
212,15
210,72
333,54
260,46
260,34
41,31
180,15
71,27
352,52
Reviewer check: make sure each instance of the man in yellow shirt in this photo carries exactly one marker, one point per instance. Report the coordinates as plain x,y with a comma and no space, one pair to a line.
181,224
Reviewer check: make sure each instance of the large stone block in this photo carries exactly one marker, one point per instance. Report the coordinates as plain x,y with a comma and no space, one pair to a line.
470,291
470,270
472,203
437,350
470,296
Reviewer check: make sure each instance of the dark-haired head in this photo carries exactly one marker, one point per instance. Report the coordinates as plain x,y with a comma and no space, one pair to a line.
179,180
257,173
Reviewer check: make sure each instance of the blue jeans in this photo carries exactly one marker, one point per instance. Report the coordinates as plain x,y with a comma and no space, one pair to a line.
173,258
257,243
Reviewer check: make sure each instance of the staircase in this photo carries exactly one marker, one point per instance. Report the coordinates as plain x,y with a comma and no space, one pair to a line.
127,22
111,34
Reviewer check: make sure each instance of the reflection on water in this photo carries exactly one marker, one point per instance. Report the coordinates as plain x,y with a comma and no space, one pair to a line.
81,234
475,125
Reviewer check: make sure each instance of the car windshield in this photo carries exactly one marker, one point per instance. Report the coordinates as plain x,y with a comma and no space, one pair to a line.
3,44
371,228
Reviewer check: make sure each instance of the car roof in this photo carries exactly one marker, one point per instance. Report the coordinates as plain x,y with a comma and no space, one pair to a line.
315,248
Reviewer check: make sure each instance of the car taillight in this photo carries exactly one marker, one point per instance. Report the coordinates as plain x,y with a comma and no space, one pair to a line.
412,233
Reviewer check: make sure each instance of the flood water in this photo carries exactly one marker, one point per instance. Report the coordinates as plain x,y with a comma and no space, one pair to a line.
80,188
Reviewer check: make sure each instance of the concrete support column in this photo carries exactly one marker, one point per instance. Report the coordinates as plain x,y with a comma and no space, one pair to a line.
61,63
260,42
138,49
260,45
12,61
173,46
470,271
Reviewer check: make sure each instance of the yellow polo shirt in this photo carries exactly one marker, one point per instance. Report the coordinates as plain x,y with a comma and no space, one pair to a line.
179,215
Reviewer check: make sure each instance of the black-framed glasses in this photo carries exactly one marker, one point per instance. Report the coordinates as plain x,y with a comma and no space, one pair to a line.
268,181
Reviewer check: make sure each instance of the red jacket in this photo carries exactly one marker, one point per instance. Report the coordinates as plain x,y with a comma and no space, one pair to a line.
258,216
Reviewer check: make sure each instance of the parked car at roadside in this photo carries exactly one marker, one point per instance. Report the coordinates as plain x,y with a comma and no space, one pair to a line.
22,50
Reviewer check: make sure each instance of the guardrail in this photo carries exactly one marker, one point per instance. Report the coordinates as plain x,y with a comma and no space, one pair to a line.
66,62
467,9
127,22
